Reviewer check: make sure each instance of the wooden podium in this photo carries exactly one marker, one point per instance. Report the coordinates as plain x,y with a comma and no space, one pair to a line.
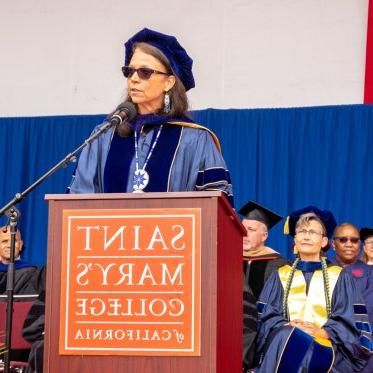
216,299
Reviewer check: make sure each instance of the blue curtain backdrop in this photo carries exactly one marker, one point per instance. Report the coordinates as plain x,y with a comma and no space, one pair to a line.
282,158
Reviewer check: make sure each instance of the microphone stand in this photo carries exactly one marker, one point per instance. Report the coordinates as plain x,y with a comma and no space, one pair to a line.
13,215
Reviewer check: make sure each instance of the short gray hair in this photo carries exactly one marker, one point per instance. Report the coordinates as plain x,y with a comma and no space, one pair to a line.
306,219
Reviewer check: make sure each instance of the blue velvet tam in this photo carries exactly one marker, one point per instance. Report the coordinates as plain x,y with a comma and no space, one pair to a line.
365,233
325,216
180,62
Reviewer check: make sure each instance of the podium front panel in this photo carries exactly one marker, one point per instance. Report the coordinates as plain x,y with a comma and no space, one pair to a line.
220,284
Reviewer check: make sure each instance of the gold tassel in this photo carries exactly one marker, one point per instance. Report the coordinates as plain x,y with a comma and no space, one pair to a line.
286,226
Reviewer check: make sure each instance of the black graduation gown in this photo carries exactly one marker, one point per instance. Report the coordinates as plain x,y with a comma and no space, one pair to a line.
256,271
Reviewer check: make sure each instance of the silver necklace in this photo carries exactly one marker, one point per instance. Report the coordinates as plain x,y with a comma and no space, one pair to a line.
140,176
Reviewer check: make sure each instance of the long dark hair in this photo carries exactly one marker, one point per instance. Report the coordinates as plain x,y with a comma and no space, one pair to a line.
178,97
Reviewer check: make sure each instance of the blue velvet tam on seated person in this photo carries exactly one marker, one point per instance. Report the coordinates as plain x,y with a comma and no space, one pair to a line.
180,62
365,233
325,216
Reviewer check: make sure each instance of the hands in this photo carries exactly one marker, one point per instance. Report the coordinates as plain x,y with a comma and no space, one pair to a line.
310,328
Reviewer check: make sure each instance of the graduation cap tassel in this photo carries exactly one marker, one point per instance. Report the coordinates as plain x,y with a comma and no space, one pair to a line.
286,226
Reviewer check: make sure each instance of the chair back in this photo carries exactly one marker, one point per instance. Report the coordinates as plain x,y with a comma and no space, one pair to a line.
21,308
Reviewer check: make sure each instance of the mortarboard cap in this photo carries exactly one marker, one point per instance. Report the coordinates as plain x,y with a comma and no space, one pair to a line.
325,216
365,233
253,211
180,62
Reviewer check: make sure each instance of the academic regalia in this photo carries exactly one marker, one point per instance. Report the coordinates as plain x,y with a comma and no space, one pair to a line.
363,274
184,159
27,278
256,271
283,348
28,281
365,233
181,63
33,332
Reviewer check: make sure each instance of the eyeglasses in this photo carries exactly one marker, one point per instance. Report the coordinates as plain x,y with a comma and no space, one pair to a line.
144,73
368,242
353,240
311,233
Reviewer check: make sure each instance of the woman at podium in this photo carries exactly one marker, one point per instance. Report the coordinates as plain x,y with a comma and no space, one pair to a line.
162,149
311,315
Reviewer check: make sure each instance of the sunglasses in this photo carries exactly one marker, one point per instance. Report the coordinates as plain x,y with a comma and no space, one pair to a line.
143,73
353,240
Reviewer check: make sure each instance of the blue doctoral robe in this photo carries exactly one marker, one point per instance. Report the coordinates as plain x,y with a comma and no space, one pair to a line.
196,163
348,328
363,274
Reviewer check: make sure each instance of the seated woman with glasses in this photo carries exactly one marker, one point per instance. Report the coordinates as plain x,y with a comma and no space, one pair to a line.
162,149
311,317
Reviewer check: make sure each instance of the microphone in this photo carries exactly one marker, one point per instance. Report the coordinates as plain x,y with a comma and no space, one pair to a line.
125,112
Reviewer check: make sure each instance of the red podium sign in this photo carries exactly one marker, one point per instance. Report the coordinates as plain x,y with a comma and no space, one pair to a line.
131,282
